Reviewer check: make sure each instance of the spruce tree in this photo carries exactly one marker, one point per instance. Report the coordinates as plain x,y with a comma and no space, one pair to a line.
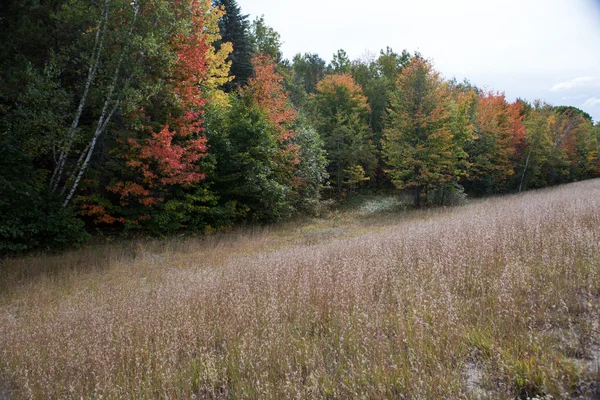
235,29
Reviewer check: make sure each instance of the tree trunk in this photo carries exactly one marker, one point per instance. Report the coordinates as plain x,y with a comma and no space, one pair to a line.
102,121
417,196
94,62
524,171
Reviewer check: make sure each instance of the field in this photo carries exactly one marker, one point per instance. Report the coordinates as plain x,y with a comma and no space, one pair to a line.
496,299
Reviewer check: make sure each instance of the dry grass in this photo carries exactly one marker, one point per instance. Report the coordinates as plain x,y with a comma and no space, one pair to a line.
496,299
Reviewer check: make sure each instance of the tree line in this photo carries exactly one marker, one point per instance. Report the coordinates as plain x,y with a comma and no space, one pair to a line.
159,117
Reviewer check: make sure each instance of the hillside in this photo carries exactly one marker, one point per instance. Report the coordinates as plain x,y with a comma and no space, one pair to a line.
499,298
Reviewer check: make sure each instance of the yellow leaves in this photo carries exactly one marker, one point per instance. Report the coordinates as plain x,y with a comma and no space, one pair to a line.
332,83
216,60
355,175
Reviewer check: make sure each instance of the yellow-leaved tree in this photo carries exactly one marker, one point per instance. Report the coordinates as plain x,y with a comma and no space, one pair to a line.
218,67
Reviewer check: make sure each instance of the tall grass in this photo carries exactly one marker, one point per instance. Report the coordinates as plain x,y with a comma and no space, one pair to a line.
496,299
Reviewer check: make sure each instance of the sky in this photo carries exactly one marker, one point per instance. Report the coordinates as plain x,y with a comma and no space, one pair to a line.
532,49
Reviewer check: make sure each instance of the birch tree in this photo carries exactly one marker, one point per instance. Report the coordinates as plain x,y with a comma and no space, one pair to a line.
126,54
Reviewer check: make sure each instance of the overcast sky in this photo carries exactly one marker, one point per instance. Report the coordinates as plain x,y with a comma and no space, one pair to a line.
546,49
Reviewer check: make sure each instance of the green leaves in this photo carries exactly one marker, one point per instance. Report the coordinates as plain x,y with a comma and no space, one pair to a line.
425,131
340,113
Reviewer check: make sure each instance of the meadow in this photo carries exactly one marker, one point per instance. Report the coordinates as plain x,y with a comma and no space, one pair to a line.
495,299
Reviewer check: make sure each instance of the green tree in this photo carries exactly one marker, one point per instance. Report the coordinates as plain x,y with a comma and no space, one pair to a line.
340,113
235,29
244,146
31,218
340,64
311,174
377,76
423,132
264,39
309,69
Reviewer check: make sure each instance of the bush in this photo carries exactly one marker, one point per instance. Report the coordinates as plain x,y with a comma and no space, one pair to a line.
448,194
30,217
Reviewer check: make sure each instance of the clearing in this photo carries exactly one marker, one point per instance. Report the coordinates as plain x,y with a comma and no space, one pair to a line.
496,299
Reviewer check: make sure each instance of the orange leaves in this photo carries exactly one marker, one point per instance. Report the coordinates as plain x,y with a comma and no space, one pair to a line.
425,131
100,214
499,124
266,88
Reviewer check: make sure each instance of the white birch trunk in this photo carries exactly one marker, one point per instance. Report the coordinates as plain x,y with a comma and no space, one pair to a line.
102,122
94,62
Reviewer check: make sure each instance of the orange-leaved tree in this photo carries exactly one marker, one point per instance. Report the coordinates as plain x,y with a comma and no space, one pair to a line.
498,136
268,92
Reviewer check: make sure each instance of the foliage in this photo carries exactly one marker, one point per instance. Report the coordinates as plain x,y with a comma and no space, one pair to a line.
377,77
243,143
311,173
340,115
264,39
157,182
309,69
340,64
498,133
424,131
31,218
180,116
235,29
300,161
560,147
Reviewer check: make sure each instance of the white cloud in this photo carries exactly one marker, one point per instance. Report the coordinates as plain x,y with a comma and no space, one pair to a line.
592,102
574,83
581,96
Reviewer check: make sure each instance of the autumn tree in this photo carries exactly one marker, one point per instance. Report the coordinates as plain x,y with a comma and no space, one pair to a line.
420,146
498,132
377,77
340,113
300,157
551,137
156,180
267,90
269,162
120,37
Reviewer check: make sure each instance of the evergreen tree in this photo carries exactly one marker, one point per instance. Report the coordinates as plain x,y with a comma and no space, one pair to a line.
309,69
235,29
340,63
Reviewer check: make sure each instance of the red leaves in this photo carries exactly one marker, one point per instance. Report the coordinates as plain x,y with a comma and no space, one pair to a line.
503,121
173,164
170,156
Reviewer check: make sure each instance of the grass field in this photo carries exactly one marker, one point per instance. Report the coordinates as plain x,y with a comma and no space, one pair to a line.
496,299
